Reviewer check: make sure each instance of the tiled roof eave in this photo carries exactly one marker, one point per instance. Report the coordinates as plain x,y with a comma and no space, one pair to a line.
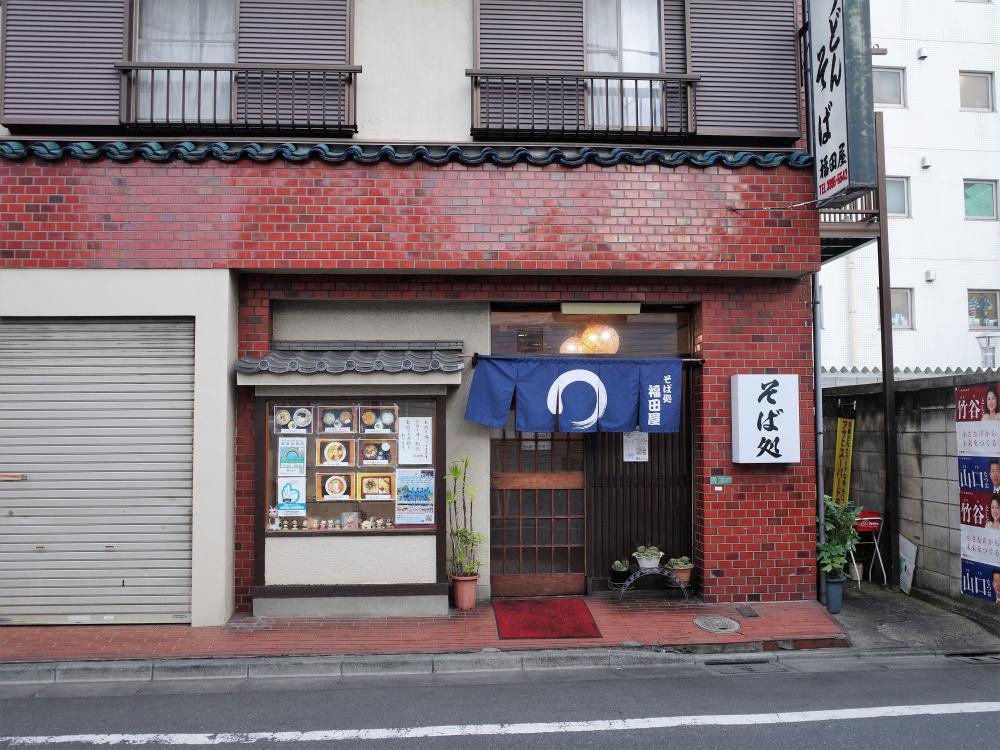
279,362
335,153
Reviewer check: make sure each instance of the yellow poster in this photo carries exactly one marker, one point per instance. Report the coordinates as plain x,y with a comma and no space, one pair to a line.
842,461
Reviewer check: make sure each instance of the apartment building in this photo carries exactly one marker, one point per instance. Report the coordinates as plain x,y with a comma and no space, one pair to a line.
935,85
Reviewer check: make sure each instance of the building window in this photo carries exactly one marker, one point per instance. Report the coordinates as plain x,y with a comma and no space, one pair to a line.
184,31
902,308
890,86
983,306
980,199
623,36
897,196
976,91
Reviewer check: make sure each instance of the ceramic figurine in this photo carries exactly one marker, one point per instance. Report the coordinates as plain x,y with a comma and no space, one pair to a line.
366,524
273,522
284,525
379,523
336,525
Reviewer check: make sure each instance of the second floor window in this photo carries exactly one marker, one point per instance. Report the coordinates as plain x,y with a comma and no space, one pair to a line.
194,32
897,196
623,36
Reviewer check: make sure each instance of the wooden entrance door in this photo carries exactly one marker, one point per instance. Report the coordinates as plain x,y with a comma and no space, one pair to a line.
537,514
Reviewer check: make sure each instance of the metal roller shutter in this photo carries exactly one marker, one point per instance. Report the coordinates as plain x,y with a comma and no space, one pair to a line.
98,416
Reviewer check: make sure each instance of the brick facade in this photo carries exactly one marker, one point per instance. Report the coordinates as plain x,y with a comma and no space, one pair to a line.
629,233
381,217
756,540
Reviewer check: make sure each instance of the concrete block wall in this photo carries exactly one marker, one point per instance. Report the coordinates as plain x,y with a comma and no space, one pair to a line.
927,465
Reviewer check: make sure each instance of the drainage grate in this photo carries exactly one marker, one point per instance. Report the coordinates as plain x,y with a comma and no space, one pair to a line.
746,666
717,624
989,658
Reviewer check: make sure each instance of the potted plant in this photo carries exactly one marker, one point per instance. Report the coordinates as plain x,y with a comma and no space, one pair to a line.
620,571
647,557
463,565
681,568
832,554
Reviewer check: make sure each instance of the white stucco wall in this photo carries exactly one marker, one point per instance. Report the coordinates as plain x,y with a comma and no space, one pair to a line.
350,560
963,254
414,54
210,298
468,322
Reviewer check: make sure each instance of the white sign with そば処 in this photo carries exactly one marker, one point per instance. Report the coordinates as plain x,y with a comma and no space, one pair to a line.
765,419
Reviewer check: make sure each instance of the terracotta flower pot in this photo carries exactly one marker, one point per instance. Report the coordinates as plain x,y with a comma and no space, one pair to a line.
682,574
464,591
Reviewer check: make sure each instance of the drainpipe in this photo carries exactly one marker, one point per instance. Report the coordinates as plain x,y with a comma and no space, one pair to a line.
852,313
818,395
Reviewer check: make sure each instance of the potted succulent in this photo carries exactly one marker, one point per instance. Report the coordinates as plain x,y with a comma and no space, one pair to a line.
832,554
620,571
647,557
463,565
681,568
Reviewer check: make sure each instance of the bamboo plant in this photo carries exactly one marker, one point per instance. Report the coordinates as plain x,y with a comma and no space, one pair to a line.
464,540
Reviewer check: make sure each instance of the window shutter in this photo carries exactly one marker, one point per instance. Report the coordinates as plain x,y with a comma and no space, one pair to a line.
535,35
59,62
747,56
293,32
674,37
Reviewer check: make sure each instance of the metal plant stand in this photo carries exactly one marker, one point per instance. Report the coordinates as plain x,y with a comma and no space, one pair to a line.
638,573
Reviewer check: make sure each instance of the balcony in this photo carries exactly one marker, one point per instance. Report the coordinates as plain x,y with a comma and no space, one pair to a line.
244,99
850,226
563,105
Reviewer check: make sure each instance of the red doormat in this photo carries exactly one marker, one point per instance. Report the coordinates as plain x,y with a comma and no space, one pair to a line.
544,618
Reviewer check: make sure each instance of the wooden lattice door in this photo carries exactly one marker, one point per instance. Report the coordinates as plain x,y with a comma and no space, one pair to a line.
537,514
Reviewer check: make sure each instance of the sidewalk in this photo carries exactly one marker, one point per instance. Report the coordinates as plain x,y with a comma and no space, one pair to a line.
649,622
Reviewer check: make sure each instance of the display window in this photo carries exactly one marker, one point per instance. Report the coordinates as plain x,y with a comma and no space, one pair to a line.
337,466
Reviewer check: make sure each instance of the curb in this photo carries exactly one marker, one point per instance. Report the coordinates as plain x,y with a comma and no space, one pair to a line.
353,667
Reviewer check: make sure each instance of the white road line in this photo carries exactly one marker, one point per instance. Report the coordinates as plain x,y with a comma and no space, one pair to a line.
482,730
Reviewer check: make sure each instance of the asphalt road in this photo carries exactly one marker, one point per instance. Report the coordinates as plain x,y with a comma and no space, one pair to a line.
578,709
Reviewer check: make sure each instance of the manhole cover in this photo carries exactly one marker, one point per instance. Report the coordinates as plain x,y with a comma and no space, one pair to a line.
717,624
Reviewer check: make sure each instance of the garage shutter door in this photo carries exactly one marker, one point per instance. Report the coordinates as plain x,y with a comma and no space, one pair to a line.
97,414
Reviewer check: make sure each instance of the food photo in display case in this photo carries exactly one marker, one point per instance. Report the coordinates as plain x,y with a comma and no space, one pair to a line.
293,419
376,452
339,452
378,419
376,487
337,418
334,486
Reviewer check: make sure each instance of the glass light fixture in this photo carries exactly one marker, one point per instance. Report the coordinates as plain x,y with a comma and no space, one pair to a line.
600,338
572,345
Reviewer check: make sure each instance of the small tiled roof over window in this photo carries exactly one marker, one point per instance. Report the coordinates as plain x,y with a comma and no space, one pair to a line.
334,357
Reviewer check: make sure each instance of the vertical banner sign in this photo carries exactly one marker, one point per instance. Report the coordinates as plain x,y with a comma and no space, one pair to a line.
977,426
842,461
765,419
828,97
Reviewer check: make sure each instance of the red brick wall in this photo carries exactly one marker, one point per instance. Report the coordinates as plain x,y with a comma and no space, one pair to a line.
73,214
753,542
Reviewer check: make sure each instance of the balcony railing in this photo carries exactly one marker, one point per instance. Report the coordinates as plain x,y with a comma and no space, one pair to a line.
264,99
546,104
850,226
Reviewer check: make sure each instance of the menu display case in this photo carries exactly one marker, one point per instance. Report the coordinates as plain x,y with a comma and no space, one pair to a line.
341,466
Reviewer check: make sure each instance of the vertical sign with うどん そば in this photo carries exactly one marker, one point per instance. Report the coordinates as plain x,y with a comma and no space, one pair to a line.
765,418
829,97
